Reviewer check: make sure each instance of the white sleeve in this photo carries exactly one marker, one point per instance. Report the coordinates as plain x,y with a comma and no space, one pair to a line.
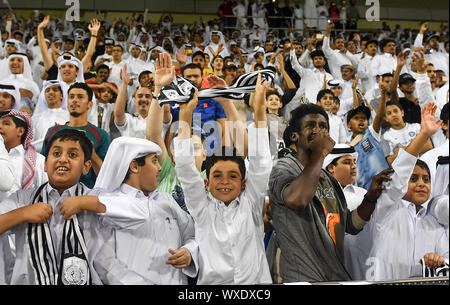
418,42
295,65
6,169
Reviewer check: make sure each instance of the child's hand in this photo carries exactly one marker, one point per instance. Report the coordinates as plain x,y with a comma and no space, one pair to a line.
37,213
70,206
180,258
433,260
428,125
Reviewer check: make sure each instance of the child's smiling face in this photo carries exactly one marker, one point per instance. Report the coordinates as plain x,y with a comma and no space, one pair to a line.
225,181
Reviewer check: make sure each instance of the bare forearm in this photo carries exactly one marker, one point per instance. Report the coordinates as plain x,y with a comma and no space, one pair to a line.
11,219
380,113
92,204
302,190
417,144
119,108
48,62
96,162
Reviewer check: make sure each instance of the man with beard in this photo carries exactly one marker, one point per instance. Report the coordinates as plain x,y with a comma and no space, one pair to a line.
134,125
79,101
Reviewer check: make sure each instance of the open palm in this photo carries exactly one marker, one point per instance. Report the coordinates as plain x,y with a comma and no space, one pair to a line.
428,125
164,70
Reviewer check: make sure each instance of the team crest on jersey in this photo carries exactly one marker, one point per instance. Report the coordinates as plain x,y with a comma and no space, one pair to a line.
74,272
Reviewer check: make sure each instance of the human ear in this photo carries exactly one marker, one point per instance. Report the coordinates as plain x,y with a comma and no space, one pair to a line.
87,167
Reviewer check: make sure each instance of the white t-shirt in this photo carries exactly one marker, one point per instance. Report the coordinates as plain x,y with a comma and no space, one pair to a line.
393,138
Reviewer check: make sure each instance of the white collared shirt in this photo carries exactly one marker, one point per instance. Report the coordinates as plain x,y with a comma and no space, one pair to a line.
135,126
336,58
337,128
23,272
145,228
431,157
16,157
401,237
230,237
6,169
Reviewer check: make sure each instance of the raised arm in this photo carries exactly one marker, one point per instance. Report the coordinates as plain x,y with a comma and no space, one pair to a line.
121,101
164,75
289,83
94,26
401,61
48,62
379,116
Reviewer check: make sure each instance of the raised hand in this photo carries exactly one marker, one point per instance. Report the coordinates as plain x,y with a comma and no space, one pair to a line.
424,27
418,62
401,59
182,56
94,26
216,82
428,125
44,23
126,78
164,70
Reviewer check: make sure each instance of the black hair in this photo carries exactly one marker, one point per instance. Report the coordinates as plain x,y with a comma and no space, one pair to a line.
322,93
424,166
353,112
140,161
287,136
226,154
73,135
119,46
444,114
301,111
394,103
142,74
102,66
21,123
191,66
199,53
83,86
259,65
386,75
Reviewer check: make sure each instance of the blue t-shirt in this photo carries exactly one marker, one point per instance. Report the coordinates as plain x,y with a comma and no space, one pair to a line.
206,112
371,158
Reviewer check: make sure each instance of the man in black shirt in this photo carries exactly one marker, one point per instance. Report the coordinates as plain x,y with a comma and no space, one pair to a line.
409,102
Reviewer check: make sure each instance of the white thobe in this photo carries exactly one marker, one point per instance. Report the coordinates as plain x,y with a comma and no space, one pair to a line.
145,228
44,120
230,237
401,237
23,273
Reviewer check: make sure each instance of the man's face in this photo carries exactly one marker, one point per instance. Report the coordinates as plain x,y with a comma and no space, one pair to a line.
408,87
347,73
53,95
394,115
148,174
358,123
68,72
10,132
431,74
310,125
351,46
108,49
345,170
240,71
117,53
230,73
372,49
385,82
339,43
6,101
78,102
298,50
215,38
268,47
225,181
194,75
143,99
65,164
434,43
16,65
389,48
103,74
318,61
419,186
135,51
199,60
326,102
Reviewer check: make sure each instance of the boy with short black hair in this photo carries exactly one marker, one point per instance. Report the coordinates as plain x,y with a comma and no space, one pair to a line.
400,134
367,141
229,225
326,100
54,256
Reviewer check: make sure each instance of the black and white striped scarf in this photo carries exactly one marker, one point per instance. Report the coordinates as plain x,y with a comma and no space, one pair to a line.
435,272
182,90
73,268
